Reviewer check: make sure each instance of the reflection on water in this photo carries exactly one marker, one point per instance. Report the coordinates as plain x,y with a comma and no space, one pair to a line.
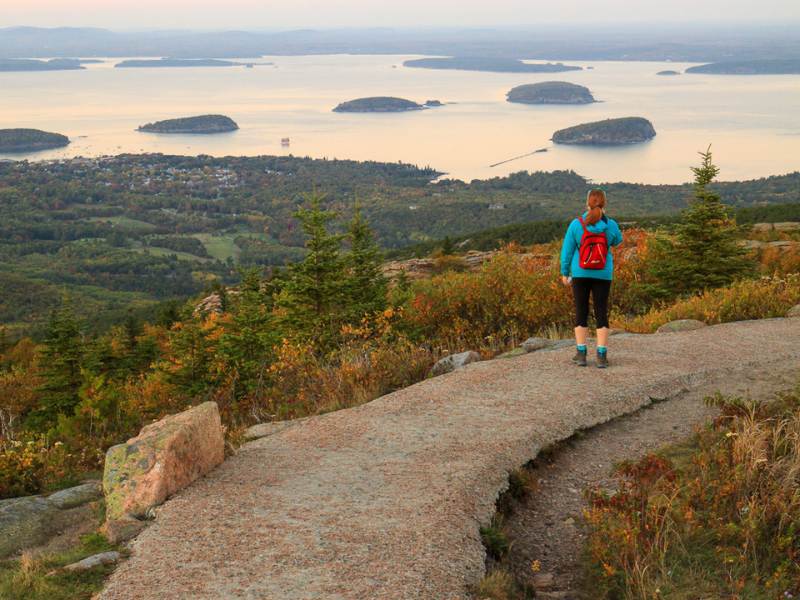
752,122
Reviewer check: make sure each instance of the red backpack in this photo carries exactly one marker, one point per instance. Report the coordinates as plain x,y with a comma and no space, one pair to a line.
593,251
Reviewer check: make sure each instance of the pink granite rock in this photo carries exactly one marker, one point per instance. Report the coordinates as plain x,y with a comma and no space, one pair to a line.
164,458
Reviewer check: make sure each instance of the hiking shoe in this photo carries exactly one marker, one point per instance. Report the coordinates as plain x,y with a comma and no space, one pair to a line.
602,361
580,358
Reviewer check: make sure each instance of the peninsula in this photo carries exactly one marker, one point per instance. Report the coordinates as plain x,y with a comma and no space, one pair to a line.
30,140
27,64
550,92
203,124
611,132
749,67
177,62
494,65
383,104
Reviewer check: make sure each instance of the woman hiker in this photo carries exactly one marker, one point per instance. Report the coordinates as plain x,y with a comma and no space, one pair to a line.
588,265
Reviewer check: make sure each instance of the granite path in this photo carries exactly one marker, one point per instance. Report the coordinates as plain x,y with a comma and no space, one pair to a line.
385,500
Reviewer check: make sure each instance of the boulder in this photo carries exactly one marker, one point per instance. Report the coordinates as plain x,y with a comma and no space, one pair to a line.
454,361
681,325
76,496
535,343
97,560
33,520
794,312
164,458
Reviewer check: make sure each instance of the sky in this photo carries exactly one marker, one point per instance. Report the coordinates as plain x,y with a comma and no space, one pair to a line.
285,14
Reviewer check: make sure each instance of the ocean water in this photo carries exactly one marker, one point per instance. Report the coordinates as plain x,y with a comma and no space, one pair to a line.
751,122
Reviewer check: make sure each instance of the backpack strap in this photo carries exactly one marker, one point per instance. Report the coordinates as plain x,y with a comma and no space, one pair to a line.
583,224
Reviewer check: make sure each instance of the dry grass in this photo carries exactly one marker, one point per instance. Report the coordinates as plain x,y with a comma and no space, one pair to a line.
719,521
497,585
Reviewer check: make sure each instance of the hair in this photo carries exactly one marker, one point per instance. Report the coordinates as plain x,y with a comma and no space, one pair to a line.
595,202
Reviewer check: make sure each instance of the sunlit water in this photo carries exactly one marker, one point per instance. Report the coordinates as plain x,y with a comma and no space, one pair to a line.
752,122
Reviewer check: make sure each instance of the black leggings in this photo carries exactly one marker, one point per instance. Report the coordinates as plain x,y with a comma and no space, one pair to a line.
599,289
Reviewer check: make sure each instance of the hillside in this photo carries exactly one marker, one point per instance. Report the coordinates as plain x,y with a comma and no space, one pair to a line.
112,231
378,104
611,132
493,65
749,67
204,124
30,140
550,92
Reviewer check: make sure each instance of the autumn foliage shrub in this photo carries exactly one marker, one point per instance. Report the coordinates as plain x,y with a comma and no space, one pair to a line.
747,299
722,523
35,465
509,298
374,359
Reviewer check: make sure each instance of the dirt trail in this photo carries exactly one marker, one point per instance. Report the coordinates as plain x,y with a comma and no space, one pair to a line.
547,526
385,500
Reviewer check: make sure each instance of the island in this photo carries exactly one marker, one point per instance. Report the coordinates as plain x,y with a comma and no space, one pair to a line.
550,92
611,132
494,65
668,73
750,67
383,104
30,140
177,62
203,124
29,64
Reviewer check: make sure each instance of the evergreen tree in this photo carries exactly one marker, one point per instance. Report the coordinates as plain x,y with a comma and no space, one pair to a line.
61,358
189,365
366,285
705,252
313,294
447,246
246,345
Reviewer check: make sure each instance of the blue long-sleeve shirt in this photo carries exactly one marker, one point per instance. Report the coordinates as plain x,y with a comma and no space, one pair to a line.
572,242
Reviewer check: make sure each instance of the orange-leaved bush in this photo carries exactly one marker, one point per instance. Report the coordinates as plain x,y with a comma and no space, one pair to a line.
762,298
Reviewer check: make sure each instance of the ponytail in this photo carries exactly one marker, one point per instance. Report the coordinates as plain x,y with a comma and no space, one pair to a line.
595,202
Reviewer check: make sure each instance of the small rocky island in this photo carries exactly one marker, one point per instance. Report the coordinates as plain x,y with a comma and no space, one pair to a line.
550,92
176,62
203,124
30,140
492,65
54,64
383,104
611,132
668,73
750,67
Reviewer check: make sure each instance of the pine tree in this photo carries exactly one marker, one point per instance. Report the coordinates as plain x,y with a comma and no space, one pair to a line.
447,246
245,347
705,252
313,294
60,359
366,285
